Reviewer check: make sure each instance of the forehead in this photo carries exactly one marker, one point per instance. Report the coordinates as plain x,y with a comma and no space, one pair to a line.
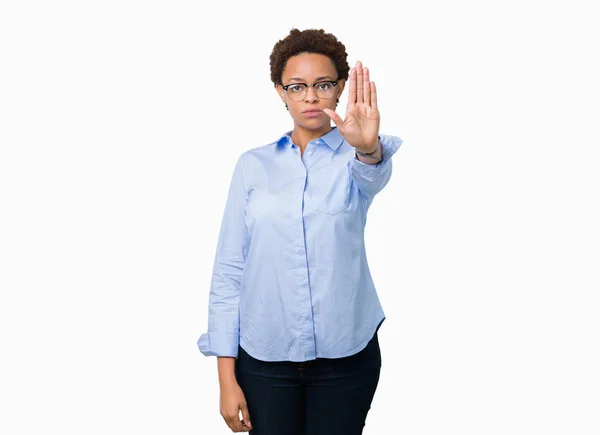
307,66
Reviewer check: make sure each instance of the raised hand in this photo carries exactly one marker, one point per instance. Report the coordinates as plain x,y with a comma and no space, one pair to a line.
361,126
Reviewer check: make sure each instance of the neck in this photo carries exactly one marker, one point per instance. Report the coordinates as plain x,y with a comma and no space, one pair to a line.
301,137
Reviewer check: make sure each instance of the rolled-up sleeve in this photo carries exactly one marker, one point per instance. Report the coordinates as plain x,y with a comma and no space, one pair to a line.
222,338
372,178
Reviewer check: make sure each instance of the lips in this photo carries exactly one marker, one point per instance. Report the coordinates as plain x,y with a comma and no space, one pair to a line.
312,113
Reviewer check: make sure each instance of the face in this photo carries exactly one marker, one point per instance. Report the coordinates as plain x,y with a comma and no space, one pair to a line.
310,68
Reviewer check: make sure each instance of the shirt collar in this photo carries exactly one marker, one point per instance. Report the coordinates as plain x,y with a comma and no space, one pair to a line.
332,138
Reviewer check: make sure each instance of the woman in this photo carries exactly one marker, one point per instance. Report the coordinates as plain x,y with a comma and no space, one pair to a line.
293,311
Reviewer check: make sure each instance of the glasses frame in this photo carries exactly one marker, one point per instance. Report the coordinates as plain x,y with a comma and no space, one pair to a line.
333,82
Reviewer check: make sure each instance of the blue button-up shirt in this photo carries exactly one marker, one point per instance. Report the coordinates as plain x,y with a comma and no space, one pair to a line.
290,280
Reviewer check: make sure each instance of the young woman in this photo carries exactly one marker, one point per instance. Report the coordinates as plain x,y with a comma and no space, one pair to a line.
293,311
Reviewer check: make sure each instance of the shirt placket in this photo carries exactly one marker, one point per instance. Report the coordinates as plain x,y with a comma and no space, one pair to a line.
307,334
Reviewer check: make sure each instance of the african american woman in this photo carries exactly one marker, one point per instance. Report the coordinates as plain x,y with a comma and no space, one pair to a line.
293,311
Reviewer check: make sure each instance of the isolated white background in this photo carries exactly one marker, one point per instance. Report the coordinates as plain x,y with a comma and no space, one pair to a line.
119,130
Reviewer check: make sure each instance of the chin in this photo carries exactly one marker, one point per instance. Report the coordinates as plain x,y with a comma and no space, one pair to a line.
314,125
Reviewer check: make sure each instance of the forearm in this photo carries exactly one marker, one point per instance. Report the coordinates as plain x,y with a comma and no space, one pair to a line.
226,369
371,176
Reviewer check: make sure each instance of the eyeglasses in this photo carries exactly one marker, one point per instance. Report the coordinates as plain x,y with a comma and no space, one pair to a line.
297,91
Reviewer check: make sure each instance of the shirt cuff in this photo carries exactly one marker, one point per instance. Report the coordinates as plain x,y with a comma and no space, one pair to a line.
219,344
389,145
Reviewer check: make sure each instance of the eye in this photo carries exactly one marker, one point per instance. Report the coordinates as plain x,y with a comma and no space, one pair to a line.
296,88
324,85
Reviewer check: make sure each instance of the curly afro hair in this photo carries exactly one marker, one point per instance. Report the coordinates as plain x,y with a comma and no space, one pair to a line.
308,41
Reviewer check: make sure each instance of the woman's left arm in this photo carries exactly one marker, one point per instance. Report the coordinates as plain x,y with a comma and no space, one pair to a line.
361,131
372,178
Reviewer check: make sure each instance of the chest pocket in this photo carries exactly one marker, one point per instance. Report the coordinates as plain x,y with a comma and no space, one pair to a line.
328,190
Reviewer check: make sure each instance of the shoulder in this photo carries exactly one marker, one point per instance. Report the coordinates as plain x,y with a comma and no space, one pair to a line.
259,152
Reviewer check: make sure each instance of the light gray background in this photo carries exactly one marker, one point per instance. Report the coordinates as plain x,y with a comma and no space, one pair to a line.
120,126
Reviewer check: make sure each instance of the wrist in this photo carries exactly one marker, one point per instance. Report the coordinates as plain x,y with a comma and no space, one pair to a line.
369,150
225,381
232,382
373,157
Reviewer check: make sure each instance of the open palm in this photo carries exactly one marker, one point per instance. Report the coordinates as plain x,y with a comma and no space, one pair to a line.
361,126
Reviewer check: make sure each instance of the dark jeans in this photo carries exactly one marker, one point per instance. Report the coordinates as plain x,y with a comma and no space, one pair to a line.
317,397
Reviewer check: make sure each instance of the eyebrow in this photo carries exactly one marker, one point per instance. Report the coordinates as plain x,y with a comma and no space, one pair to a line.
317,79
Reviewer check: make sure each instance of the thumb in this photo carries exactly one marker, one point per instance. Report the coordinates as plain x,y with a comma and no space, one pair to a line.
246,415
334,116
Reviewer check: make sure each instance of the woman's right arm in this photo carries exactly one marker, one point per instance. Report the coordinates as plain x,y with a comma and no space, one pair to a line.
222,337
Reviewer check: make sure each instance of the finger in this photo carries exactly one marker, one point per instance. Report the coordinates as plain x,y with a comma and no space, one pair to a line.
373,96
359,82
352,91
230,423
335,117
367,86
246,415
245,427
235,424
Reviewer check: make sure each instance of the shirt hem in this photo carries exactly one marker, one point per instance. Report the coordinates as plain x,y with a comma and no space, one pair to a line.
356,350
359,347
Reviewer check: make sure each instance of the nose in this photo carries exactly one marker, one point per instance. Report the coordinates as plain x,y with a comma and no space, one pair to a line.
310,94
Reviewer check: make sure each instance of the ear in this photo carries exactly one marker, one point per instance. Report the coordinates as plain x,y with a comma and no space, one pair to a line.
340,86
281,93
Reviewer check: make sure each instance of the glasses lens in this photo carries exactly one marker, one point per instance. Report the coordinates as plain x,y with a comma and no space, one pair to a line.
324,89
296,92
